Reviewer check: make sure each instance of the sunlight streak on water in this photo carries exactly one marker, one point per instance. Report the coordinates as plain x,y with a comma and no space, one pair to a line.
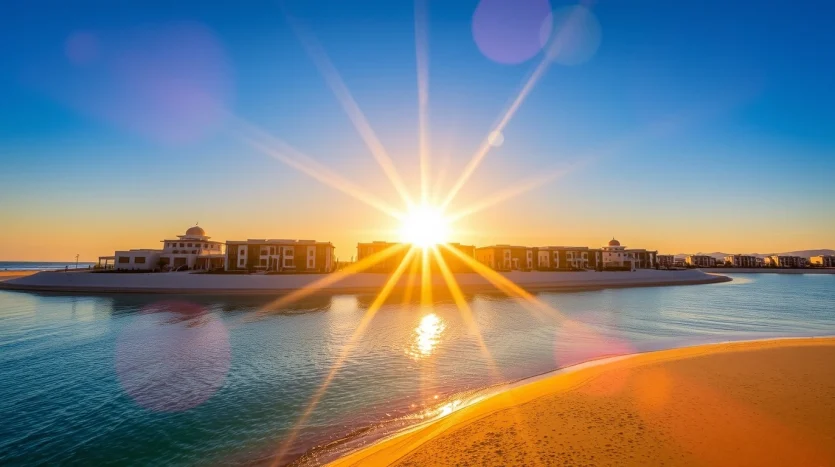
427,335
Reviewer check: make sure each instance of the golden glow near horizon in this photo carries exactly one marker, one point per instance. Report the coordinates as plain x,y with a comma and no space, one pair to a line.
425,226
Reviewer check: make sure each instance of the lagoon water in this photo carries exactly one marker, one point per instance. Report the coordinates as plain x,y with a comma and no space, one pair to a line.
140,379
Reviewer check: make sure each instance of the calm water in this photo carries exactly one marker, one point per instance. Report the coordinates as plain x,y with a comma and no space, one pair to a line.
40,265
184,380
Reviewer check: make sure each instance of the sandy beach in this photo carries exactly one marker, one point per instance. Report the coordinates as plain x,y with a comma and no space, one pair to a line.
747,403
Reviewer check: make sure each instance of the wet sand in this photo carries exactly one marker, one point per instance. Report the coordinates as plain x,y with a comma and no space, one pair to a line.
749,403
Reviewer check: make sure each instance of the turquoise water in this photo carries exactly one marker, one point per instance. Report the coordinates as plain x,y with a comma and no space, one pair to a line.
198,380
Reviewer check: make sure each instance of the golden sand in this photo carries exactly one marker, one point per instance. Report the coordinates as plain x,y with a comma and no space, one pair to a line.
750,403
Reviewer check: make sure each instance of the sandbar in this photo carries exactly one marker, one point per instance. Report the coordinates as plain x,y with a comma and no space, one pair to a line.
752,403
185,282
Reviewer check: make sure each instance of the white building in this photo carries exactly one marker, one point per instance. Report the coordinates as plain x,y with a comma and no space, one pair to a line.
615,256
142,259
193,250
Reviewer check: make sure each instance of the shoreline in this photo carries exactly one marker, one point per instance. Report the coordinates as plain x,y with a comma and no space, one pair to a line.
361,283
432,438
769,270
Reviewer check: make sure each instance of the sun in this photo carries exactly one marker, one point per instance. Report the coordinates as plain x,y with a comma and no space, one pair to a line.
424,226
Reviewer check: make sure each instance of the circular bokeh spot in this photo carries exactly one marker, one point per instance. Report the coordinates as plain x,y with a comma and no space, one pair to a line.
510,31
570,35
495,139
173,356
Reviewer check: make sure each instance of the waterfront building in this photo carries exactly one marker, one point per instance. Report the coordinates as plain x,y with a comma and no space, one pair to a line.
453,261
387,265
665,261
616,256
701,261
192,250
824,261
391,263
781,261
279,255
680,262
505,257
742,261
552,258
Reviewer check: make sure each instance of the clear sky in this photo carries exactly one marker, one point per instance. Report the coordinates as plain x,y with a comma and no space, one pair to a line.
679,126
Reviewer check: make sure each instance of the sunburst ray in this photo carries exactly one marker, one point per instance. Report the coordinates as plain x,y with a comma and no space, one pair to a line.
333,79
333,278
422,62
505,118
345,352
463,307
507,193
507,286
283,152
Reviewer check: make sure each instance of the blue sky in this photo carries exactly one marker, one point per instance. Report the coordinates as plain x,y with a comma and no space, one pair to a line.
698,126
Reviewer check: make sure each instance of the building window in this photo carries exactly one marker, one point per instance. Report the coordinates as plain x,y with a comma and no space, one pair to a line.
189,245
124,259
139,260
310,253
182,245
243,251
272,250
263,262
241,262
194,252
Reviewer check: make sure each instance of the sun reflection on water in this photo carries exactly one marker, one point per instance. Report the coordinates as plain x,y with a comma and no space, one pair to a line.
426,336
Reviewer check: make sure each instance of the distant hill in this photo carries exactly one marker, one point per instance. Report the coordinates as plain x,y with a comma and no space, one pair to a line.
803,253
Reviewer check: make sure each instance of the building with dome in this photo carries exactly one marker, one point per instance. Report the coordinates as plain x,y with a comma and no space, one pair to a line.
192,250
616,256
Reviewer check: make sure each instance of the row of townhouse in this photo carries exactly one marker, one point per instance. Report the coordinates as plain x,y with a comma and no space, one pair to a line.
613,256
389,256
751,261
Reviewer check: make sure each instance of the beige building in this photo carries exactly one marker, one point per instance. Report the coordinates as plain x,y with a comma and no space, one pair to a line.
701,261
824,261
665,261
742,261
550,258
279,255
780,261
505,257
